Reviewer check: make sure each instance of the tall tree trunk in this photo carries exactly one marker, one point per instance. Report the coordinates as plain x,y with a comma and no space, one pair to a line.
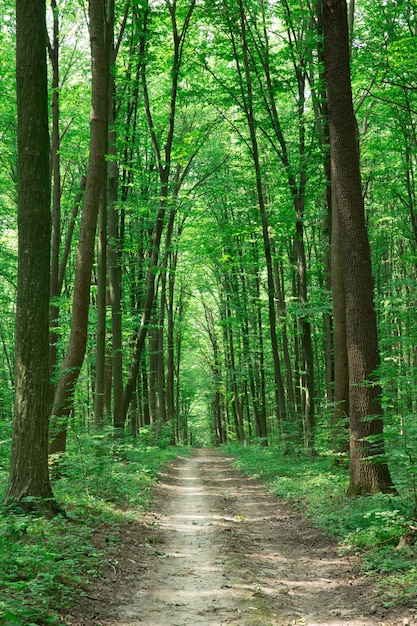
161,353
115,242
259,355
29,476
279,386
55,290
341,363
153,371
282,318
64,396
235,390
101,302
368,472
170,373
216,371
340,395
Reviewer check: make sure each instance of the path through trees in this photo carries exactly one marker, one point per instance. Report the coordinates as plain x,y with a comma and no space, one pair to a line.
218,549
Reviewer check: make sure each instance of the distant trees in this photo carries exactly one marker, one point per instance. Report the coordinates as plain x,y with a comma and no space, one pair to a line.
223,293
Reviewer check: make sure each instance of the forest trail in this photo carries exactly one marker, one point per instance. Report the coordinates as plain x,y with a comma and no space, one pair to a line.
219,550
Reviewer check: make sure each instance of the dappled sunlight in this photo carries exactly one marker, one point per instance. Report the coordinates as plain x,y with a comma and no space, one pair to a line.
230,554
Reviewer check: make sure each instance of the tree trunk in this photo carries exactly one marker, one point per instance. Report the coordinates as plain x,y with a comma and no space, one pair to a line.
153,371
341,365
56,201
29,476
216,370
282,318
100,369
170,374
368,472
64,396
259,355
279,385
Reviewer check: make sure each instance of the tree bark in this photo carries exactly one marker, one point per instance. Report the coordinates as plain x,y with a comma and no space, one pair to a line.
368,471
29,458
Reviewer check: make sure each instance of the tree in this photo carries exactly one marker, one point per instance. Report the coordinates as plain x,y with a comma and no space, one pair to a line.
29,479
64,396
369,472
163,157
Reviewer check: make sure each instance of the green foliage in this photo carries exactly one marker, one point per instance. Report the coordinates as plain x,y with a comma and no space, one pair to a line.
41,563
103,476
44,564
370,527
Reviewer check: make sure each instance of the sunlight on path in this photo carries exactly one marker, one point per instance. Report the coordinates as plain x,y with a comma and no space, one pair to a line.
229,554
190,574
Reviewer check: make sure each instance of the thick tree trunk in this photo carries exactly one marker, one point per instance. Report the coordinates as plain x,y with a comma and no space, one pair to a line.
29,476
368,472
64,396
338,372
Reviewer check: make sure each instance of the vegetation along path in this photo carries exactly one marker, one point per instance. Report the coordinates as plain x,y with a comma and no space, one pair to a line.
218,549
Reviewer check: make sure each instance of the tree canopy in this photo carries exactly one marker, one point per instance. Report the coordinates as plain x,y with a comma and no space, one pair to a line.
203,271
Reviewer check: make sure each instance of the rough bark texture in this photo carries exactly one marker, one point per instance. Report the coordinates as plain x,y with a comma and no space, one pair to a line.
366,427
29,459
64,396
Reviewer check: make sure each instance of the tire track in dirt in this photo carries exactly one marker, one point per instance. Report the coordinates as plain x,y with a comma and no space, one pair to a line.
219,550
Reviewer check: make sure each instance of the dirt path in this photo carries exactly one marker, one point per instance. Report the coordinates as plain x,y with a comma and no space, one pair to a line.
219,550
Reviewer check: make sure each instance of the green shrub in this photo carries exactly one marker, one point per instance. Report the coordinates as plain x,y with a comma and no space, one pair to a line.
44,563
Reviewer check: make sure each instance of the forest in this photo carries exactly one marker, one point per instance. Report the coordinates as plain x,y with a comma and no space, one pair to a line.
209,239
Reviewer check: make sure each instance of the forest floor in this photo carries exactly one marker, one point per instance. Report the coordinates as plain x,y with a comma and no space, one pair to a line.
218,549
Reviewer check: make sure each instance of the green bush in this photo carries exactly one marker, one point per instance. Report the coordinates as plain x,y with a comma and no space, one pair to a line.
44,563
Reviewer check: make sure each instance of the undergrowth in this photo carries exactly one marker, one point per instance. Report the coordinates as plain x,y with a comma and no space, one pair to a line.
370,526
46,564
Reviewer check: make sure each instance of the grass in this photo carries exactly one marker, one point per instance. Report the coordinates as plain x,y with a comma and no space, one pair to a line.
367,526
46,564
